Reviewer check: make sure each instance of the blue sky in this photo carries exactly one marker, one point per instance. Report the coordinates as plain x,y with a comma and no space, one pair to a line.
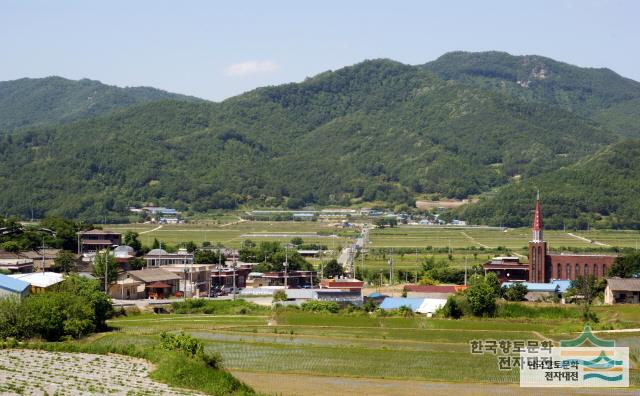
217,49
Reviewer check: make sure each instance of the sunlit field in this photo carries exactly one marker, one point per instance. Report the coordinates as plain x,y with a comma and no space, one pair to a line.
233,234
413,348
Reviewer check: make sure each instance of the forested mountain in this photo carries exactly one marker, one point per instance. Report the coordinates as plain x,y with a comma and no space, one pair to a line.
39,101
600,190
599,94
375,131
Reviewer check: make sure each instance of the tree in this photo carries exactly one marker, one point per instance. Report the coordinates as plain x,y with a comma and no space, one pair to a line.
131,239
190,246
493,282
626,266
156,244
333,269
10,246
206,257
104,259
586,289
65,262
297,241
89,290
481,297
516,292
451,308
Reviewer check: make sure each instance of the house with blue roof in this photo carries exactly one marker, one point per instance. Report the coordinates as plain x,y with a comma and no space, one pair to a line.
13,287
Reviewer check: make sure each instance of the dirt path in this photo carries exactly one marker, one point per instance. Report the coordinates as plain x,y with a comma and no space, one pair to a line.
313,385
581,238
234,222
472,239
155,229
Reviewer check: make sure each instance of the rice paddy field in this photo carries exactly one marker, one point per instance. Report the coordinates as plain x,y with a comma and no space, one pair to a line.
405,245
232,234
346,347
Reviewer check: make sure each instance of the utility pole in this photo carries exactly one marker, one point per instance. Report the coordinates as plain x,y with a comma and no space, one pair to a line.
286,263
416,265
43,254
234,279
106,270
465,271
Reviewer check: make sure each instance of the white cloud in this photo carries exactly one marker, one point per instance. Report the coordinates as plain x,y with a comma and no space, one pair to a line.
252,67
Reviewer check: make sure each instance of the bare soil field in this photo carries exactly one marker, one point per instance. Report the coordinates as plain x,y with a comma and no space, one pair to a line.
33,372
445,203
297,384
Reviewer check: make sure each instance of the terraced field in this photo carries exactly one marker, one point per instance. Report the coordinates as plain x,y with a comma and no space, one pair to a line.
290,351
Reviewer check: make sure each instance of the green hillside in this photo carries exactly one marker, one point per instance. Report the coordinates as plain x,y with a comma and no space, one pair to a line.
379,130
39,101
599,94
601,190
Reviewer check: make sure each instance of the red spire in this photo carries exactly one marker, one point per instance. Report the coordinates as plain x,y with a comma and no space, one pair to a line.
537,217
537,226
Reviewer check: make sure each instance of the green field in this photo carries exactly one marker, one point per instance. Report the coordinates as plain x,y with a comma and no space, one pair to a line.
488,237
360,345
233,234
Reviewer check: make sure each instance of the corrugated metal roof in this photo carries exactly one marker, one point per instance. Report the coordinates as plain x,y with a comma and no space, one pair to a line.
626,284
154,274
431,305
13,284
40,279
563,285
397,302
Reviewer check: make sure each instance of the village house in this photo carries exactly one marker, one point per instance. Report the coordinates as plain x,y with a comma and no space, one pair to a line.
158,282
40,256
195,279
90,242
432,291
622,291
127,289
342,283
160,257
15,262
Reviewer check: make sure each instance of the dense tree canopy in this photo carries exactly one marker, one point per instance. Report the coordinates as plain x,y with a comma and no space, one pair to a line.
375,131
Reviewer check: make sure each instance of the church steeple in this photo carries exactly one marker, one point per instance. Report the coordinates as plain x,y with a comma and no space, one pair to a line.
537,226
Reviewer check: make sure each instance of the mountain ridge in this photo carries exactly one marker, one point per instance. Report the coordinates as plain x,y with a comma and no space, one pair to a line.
50,100
376,131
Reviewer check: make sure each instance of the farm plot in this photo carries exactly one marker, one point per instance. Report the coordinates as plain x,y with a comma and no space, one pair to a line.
35,372
232,235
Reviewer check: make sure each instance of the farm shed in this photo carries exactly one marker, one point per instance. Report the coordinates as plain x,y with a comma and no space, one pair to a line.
427,306
391,303
622,290
13,287
40,281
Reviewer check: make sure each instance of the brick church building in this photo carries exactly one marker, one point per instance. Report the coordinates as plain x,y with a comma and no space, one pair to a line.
543,266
